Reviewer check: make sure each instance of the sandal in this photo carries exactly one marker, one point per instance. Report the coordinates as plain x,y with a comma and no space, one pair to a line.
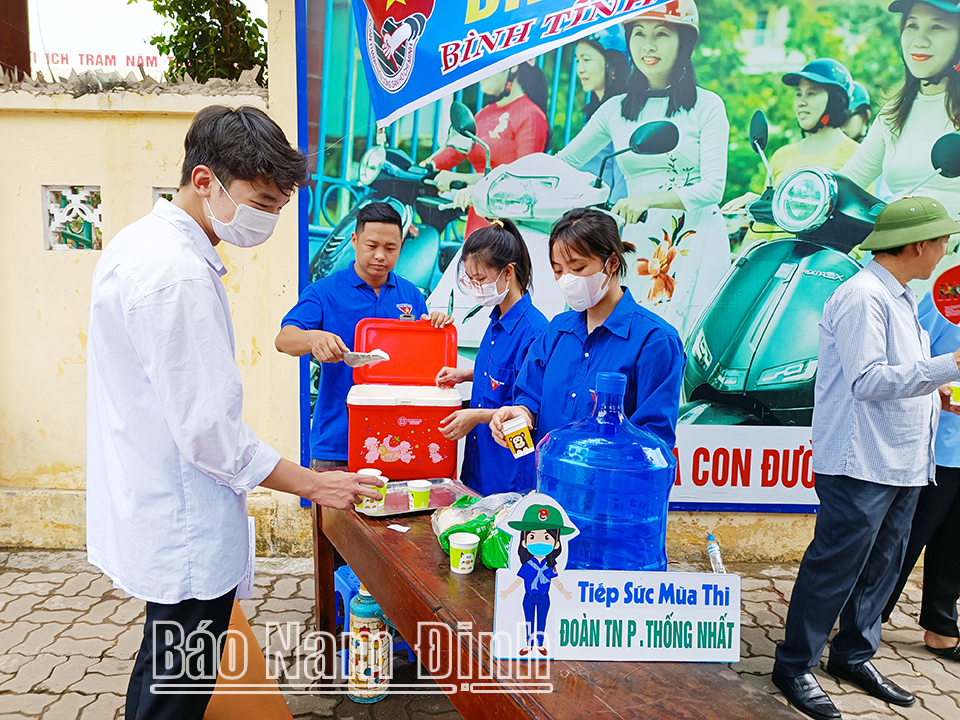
952,653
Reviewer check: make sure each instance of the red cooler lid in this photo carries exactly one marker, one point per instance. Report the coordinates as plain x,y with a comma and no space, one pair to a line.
417,351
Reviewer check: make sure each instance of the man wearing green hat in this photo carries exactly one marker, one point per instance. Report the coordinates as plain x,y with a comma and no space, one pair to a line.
875,417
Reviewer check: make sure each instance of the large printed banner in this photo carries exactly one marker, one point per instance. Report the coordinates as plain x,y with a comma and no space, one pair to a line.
737,467
745,297
417,51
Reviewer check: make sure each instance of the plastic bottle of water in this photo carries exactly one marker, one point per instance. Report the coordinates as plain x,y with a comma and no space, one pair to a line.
614,480
370,645
713,551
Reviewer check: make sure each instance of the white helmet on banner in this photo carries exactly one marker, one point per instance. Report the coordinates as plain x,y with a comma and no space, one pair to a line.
675,12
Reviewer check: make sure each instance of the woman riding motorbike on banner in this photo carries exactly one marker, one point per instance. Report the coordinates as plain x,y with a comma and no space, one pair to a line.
603,71
514,124
898,145
822,98
683,246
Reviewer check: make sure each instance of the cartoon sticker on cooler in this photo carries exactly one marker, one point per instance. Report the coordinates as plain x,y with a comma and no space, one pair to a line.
540,528
386,451
434,450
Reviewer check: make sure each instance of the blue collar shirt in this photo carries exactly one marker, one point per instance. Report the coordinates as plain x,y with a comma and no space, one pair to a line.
558,377
489,468
876,406
336,304
944,339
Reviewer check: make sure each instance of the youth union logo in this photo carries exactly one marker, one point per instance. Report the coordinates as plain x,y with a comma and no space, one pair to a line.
393,29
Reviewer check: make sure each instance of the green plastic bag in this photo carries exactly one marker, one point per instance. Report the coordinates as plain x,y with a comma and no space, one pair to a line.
476,515
479,526
495,550
464,501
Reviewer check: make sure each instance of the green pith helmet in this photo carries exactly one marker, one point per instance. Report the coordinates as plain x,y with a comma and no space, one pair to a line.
541,517
910,220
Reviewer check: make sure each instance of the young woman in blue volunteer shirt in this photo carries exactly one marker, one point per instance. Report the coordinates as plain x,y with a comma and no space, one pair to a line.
495,269
605,331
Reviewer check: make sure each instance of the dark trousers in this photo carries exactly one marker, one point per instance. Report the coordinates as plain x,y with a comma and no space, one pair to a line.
847,571
169,655
936,525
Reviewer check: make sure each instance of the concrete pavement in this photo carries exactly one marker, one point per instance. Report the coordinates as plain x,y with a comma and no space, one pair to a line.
67,641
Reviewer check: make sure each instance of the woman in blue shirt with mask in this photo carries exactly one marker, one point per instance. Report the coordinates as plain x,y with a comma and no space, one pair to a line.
605,331
495,270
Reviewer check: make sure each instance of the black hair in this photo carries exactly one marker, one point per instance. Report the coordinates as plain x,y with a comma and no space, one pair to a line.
551,559
615,76
378,212
837,110
534,84
618,73
891,251
903,98
682,90
242,144
496,247
593,233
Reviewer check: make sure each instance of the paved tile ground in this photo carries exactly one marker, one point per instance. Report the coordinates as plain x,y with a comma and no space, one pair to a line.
67,641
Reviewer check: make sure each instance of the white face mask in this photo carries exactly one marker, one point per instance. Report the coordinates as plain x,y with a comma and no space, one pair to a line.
485,295
582,293
250,227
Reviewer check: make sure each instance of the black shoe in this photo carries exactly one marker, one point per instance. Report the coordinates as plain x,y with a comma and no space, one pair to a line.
951,653
868,678
806,695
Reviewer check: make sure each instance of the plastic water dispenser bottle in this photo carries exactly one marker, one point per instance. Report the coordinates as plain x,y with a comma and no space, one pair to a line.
613,479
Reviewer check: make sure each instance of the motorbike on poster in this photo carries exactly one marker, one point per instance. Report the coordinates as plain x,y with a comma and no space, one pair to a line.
392,177
533,191
752,355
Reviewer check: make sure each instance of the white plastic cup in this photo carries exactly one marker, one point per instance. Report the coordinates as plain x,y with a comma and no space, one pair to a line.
418,494
463,552
368,503
518,437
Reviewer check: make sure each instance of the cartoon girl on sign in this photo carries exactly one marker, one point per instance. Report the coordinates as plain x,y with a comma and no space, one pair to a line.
538,548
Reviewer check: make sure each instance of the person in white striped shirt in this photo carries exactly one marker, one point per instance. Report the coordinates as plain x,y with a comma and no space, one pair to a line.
876,409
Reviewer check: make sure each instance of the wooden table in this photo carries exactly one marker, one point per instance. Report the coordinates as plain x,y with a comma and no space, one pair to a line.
408,573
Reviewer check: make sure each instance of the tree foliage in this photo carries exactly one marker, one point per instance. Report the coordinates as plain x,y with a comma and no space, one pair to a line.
210,38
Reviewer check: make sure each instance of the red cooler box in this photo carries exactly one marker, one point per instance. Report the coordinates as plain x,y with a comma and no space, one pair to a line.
395,407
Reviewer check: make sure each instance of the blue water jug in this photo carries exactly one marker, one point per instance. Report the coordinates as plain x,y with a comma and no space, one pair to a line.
614,481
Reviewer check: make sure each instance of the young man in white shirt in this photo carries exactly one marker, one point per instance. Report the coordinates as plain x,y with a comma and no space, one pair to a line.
169,459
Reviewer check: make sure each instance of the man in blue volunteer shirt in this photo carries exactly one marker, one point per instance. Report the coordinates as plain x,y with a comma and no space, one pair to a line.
324,320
